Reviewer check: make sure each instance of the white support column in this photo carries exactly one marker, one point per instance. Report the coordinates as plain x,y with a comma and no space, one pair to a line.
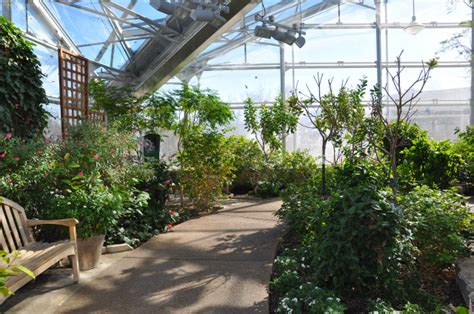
282,83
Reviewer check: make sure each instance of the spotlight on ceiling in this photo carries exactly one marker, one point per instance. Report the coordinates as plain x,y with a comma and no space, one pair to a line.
163,6
263,31
209,16
300,41
287,37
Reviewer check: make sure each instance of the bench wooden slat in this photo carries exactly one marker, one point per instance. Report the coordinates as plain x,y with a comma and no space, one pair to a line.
6,230
13,226
3,242
21,228
15,234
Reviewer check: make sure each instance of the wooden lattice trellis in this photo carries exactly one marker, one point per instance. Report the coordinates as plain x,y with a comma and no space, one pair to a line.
73,91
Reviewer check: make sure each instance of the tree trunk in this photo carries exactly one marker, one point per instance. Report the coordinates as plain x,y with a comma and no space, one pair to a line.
323,187
393,166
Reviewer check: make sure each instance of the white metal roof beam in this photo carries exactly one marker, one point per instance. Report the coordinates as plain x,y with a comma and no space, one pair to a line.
112,35
117,30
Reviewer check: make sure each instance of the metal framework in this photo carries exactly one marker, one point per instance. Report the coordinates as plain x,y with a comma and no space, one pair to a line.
175,44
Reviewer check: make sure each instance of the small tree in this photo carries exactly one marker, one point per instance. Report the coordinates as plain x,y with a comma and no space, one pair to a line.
404,101
330,113
270,123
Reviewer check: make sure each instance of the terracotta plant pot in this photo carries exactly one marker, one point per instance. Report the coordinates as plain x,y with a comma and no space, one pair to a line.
89,251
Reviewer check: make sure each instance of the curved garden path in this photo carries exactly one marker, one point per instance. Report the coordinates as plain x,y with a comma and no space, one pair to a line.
219,263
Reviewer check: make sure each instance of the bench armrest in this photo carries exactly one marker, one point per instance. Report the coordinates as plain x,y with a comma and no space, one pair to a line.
68,222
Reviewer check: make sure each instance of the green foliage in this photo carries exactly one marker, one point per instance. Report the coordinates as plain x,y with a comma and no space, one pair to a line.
296,293
335,115
282,169
247,163
205,167
269,123
127,111
21,91
464,146
437,220
422,160
10,268
359,243
89,176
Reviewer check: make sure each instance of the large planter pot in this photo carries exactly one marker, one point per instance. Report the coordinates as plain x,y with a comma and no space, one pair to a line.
89,251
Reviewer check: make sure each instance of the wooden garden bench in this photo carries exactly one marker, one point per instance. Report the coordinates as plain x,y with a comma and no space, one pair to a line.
16,235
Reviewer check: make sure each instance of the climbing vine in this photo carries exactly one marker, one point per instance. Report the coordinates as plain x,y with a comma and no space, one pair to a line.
21,92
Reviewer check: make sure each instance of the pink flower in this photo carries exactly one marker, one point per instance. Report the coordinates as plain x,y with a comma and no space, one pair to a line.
8,136
46,174
112,150
16,158
17,105
171,212
8,181
168,181
81,174
95,157
3,155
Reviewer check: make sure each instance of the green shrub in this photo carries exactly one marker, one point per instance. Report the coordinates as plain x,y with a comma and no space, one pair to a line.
437,219
283,169
464,146
358,249
205,167
21,91
423,160
247,163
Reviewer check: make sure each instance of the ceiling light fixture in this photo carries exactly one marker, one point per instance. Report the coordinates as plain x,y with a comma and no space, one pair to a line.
263,31
414,27
278,33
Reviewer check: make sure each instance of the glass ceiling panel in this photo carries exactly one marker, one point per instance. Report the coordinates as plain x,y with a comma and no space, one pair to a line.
82,26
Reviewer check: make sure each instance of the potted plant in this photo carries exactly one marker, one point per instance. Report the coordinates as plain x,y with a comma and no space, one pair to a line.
94,180
97,209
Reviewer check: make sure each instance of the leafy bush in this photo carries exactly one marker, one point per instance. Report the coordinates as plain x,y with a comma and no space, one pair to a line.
205,167
437,219
359,244
21,91
247,163
282,169
429,162
89,176
145,214
464,146
296,293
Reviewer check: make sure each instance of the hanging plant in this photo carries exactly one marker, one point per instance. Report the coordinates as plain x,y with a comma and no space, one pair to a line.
21,93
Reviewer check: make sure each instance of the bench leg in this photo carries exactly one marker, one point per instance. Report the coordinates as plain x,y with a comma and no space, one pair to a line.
75,267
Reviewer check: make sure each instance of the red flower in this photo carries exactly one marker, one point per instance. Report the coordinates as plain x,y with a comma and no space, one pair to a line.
8,135
17,158
170,226
171,212
81,174
95,157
